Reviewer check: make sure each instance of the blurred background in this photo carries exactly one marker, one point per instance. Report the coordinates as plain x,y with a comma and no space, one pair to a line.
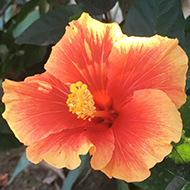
28,30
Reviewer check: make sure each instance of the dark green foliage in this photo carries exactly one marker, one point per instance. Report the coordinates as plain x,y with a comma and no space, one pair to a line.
7,138
51,27
97,7
149,17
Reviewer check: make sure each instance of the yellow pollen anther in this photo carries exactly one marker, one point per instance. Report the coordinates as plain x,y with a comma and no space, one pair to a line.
84,87
80,101
79,84
73,89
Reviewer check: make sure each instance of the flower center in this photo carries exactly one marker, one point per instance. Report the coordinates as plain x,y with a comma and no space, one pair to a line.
80,101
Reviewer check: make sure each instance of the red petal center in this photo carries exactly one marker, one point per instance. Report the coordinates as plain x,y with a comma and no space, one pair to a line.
81,103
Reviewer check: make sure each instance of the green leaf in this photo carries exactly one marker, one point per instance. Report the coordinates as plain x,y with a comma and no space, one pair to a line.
2,3
150,17
31,50
185,114
186,187
8,13
22,164
180,170
49,28
22,26
180,153
187,51
125,6
121,185
26,9
7,139
187,24
74,174
1,23
97,7
7,37
176,184
12,60
42,7
186,47
165,174
74,17
158,180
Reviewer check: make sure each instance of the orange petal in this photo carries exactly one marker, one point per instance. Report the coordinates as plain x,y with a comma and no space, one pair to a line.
37,108
82,53
141,63
63,149
143,132
102,138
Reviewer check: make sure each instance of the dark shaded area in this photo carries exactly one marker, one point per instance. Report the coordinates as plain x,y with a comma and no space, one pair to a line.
35,177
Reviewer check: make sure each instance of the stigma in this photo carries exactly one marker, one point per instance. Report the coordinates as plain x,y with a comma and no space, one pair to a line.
80,101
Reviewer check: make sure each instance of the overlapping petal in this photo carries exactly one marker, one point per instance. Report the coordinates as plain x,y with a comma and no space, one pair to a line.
143,133
62,149
82,53
142,63
37,108
102,137
137,85
37,112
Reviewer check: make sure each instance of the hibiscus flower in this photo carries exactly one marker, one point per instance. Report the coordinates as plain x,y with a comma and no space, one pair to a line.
105,93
